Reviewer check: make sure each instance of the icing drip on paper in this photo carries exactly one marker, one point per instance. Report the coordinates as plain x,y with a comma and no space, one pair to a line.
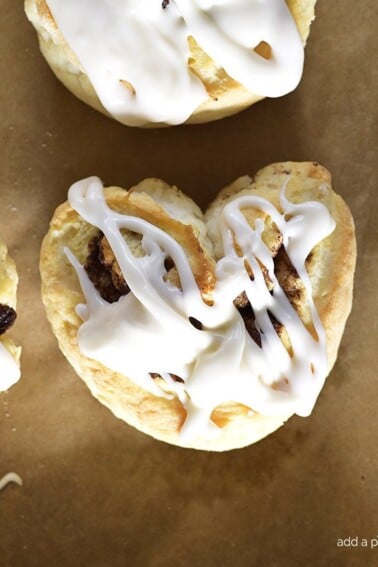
8,478
220,363
136,52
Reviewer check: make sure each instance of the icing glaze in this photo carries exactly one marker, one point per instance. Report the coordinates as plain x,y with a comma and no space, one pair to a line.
9,369
135,52
8,478
221,362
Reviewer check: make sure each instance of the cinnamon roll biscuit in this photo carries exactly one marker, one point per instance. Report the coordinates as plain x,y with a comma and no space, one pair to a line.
9,352
203,331
154,63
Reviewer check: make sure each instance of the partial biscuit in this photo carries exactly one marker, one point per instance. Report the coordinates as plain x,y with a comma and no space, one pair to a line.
226,96
8,300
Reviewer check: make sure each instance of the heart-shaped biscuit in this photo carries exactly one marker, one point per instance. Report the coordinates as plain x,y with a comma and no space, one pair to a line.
9,352
203,331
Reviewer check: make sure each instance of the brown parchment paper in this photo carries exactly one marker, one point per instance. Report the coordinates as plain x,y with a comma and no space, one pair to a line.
97,492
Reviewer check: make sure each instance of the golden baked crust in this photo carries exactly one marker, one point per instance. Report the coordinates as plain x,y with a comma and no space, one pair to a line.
8,289
331,267
226,96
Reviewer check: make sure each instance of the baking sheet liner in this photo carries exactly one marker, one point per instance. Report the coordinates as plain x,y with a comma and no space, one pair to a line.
97,492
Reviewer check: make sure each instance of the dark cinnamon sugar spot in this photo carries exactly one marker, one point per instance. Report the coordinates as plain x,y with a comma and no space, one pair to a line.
276,324
7,317
289,281
110,287
244,307
197,324
105,273
287,276
176,378
169,263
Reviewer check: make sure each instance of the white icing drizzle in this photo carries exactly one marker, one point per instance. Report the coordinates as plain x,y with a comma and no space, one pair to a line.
8,478
9,369
138,43
148,330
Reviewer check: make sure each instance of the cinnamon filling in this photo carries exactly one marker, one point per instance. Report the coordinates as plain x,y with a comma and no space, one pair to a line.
244,307
7,317
288,277
104,272
176,378
290,282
